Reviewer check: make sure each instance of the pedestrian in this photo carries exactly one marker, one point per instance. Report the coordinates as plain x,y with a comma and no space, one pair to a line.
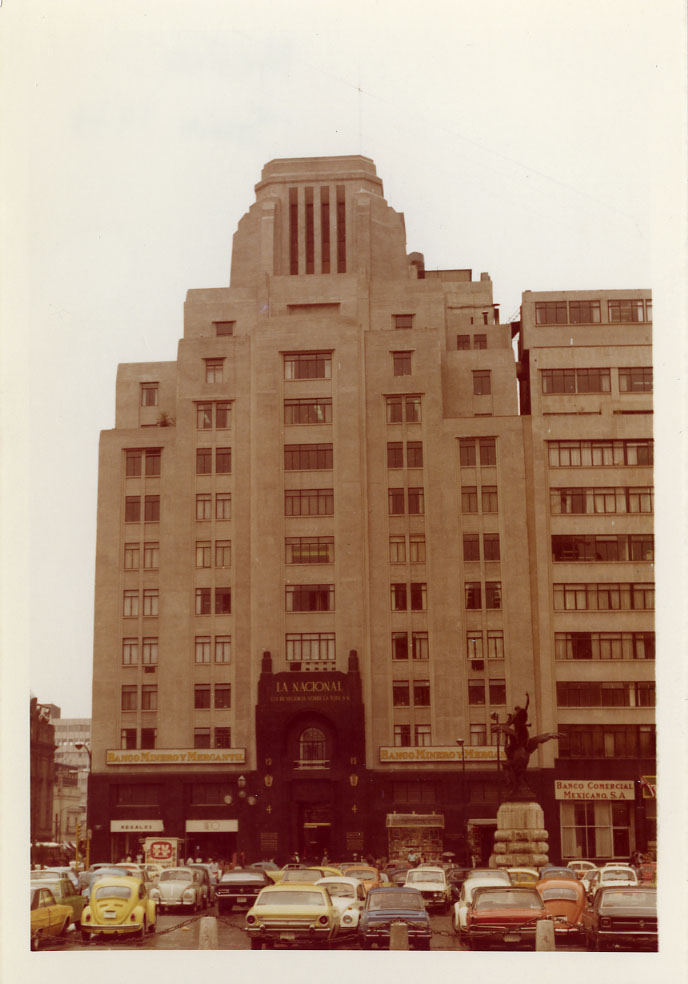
325,860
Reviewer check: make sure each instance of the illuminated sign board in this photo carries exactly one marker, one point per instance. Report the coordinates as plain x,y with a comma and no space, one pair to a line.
438,753
175,756
594,789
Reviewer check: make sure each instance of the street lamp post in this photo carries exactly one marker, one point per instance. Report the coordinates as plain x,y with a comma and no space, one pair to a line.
84,746
460,742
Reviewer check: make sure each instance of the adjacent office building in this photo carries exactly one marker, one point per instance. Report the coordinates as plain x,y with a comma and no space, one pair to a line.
347,530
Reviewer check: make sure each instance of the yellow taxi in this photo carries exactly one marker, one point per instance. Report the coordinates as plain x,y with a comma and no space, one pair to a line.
291,873
48,917
299,915
118,905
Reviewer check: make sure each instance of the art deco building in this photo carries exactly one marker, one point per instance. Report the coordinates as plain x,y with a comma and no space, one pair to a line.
331,548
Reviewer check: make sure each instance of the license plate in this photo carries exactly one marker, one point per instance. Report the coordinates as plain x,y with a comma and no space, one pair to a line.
287,936
241,898
110,915
512,938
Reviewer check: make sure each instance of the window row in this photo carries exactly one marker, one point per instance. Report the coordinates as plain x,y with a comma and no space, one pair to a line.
214,415
402,547
309,502
151,556
148,647
589,312
309,597
487,449
308,365
604,597
220,646
151,509
488,499
595,693
313,410
218,695
471,546
604,645
310,647
404,690
406,501
134,458
127,739
129,698
309,550
607,741
632,379
403,409
600,453
411,596
475,642
463,342
413,644
603,548
222,598
212,737
132,597
408,736
496,693
473,595
308,457
204,461
204,505
220,556
633,499
414,454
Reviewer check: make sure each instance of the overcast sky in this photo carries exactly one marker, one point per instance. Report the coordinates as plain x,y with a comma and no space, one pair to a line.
523,139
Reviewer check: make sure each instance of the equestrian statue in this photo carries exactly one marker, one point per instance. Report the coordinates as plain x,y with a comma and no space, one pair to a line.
518,748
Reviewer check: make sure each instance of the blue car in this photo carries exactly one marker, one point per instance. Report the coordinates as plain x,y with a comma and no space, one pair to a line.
385,906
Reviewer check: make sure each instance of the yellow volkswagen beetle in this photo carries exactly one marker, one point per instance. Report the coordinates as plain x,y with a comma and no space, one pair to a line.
118,905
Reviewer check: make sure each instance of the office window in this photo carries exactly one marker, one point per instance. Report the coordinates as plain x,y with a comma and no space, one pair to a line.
223,415
223,461
153,458
151,556
482,382
469,499
493,594
223,649
491,546
635,380
629,311
400,693
149,697
127,738
133,464
308,365
418,596
488,496
204,416
204,461
467,457
315,410
480,341
463,342
202,649
309,550
417,548
420,645
397,549
132,509
201,737
202,696
600,453
640,499
223,601
309,597
414,454
223,737
148,737
203,601
476,693
399,645
203,506
129,697
593,381
497,692
202,553
474,645
472,595
223,505
488,451
416,502
150,651
412,409
395,502
403,408
131,604
471,546
131,556
584,312
310,647
395,454
398,597
558,380
421,693
301,457
401,363
223,328
495,644
213,370
222,695
403,320
152,509
150,601
149,394
130,652
478,734
402,735
309,502
550,313
223,553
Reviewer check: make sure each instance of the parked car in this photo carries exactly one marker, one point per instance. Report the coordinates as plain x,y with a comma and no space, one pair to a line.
565,901
64,893
504,916
58,871
207,886
581,866
290,866
589,880
365,873
265,866
647,873
385,906
456,876
623,917
523,876
307,876
292,914
48,917
616,875
557,871
432,885
240,887
496,874
397,876
118,905
178,888
348,897
490,876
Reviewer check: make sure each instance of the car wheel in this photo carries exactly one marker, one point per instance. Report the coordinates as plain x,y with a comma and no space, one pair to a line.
65,927
141,935
256,945
35,940
85,936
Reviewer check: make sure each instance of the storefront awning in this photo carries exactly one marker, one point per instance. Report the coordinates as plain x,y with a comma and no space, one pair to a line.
136,826
415,820
482,822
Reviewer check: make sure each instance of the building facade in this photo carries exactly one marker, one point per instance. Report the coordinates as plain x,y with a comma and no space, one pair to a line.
42,755
328,560
72,767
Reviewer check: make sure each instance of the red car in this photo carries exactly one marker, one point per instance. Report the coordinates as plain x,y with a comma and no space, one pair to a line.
504,916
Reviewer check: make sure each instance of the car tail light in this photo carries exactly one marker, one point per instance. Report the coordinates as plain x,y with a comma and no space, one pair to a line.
605,922
132,917
323,920
250,920
88,917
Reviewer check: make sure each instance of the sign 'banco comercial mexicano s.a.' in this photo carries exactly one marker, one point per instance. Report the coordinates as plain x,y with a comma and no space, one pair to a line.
175,756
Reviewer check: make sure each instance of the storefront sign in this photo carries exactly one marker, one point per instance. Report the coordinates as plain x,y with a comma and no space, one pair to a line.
136,826
211,826
594,789
354,841
439,753
318,691
415,820
176,756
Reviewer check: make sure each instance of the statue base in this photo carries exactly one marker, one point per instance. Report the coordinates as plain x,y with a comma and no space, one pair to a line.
520,840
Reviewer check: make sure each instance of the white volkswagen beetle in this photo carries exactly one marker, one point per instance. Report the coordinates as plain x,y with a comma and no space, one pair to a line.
178,887
348,897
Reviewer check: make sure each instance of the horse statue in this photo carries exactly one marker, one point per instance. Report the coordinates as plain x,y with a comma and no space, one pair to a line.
518,747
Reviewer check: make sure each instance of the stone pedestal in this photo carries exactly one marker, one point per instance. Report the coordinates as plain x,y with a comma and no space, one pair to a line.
520,839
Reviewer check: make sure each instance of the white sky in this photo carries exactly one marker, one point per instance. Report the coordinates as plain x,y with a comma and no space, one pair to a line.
542,141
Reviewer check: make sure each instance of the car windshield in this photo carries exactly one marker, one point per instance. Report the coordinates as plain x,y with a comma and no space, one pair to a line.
243,877
365,874
549,894
423,875
311,899
395,900
301,876
612,874
340,891
616,900
176,874
507,899
113,892
107,873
